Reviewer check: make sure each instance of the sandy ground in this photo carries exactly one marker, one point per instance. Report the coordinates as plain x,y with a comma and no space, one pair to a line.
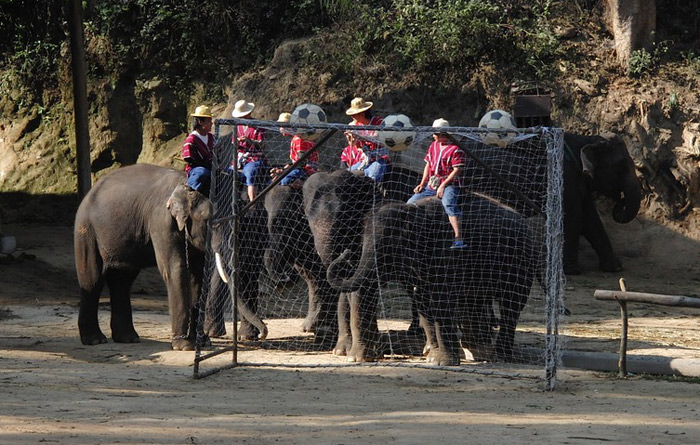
58,391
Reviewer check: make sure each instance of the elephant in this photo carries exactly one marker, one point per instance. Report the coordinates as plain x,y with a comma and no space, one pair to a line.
252,241
591,164
291,244
596,164
330,202
409,244
136,217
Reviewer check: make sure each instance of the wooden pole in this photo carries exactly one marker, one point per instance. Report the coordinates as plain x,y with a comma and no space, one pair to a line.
622,362
80,107
642,297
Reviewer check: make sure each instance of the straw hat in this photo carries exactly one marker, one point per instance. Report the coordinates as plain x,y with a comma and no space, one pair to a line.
438,123
358,105
242,108
202,111
284,117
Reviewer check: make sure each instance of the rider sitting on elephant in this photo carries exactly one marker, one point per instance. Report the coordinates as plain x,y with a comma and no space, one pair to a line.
297,147
251,159
361,154
198,150
443,165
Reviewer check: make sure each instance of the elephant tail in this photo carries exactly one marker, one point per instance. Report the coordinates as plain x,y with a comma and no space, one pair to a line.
88,261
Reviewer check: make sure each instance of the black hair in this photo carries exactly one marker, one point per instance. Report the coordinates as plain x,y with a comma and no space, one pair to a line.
197,122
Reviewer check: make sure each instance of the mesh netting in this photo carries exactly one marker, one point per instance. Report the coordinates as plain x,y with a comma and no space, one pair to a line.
336,267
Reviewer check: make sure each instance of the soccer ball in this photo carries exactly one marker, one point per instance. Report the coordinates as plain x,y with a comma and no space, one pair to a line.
497,119
397,140
308,114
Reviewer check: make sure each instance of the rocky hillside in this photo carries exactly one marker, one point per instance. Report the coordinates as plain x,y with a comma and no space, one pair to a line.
137,119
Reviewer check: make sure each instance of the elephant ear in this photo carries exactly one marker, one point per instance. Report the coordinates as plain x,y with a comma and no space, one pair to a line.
591,154
179,205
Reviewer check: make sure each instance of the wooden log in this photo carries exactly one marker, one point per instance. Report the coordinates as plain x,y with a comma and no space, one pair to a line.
643,297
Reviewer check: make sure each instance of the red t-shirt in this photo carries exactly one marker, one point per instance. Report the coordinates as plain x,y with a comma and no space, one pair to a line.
372,150
442,158
247,151
351,155
195,148
299,146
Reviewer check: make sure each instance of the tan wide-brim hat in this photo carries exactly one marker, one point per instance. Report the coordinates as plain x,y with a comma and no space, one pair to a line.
358,105
242,108
284,117
202,111
439,123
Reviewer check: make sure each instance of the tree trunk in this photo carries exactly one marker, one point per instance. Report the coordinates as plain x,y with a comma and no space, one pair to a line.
632,23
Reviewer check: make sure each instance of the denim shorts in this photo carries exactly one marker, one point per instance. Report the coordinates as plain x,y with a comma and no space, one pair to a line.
451,199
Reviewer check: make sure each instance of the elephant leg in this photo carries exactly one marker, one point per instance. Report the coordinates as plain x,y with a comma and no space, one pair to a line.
311,321
248,294
215,306
447,337
511,306
594,231
363,325
344,343
88,325
122,323
430,338
414,328
478,324
573,223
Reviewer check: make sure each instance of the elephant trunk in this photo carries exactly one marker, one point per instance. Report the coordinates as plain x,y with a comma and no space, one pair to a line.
343,276
627,206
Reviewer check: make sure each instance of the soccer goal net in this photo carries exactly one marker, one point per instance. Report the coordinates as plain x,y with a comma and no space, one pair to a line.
334,245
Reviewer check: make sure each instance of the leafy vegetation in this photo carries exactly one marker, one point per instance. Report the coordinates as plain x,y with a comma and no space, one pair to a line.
208,41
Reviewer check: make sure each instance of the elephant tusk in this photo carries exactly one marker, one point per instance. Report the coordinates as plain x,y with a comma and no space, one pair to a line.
220,268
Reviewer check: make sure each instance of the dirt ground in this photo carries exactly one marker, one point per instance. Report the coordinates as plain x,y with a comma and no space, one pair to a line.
56,390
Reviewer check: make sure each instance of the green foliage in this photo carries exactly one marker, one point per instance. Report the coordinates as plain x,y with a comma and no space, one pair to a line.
643,61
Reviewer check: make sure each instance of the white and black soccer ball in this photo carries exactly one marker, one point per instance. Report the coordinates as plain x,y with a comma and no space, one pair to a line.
397,140
308,114
497,119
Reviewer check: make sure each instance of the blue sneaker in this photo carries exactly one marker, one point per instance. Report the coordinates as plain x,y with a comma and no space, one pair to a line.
458,244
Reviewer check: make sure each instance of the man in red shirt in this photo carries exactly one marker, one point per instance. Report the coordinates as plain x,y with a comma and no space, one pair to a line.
251,159
444,163
198,151
361,153
297,147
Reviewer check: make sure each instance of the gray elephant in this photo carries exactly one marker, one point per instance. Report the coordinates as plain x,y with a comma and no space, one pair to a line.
252,241
335,205
136,217
291,245
591,164
409,243
596,164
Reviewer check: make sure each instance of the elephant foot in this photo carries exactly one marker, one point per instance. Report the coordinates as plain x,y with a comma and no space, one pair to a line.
215,330
363,354
93,339
247,332
125,337
182,344
440,357
343,346
309,324
610,265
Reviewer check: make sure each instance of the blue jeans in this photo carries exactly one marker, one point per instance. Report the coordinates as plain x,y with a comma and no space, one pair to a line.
199,178
374,170
253,173
451,198
293,175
